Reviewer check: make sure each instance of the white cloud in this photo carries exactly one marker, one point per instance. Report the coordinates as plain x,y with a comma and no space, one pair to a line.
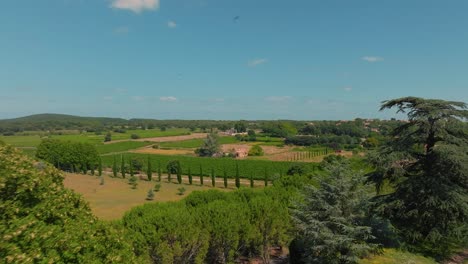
348,89
121,30
372,58
136,6
138,98
171,24
168,99
107,98
120,90
278,98
255,62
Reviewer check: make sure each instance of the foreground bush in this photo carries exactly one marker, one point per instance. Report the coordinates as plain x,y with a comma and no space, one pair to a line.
41,221
210,227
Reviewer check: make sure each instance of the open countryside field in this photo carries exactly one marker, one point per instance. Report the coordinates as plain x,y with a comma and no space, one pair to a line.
111,200
35,140
121,146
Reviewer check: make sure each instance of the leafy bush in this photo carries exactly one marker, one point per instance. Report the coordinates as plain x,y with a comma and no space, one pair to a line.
256,150
134,136
36,212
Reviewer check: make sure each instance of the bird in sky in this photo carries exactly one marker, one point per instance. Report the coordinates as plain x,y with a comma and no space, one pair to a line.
235,18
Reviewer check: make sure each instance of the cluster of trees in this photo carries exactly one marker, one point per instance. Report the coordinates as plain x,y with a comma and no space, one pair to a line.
210,146
211,226
69,156
332,141
279,129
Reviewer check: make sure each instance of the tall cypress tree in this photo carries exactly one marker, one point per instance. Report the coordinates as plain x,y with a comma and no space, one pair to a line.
132,173
179,174
237,176
225,178
149,171
100,167
114,167
201,175
190,175
266,176
251,180
159,172
122,166
213,178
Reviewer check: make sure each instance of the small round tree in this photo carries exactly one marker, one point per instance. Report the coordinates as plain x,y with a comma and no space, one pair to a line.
150,195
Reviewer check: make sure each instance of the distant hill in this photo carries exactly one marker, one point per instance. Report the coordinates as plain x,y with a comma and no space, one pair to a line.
40,118
58,122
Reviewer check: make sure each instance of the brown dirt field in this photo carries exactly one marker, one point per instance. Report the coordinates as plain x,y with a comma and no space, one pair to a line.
150,150
164,139
111,200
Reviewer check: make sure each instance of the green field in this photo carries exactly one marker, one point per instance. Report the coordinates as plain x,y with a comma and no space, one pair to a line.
22,141
35,140
256,168
121,146
195,143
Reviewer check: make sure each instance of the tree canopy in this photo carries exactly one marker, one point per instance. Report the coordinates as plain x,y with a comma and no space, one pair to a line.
41,220
210,146
426,164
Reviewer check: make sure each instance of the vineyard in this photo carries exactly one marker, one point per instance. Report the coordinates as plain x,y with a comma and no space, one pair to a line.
255,168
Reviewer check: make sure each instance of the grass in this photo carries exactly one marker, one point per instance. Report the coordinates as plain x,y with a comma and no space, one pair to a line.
35,140
151,133
121,146
392,256
111,200
22,141
195,143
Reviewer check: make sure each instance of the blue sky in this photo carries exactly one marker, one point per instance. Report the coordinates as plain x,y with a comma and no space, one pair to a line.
219,59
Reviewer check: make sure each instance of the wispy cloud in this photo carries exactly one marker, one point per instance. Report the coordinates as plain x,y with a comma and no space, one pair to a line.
348,88
372,58
138,98
136,6
120,91
171,24
278,98
107,98
255,62
168,99
121,30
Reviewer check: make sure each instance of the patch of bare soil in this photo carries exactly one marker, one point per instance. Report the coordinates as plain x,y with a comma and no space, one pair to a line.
150,150
460,258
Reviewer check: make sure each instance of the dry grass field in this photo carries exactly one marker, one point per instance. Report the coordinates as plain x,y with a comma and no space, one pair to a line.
111,200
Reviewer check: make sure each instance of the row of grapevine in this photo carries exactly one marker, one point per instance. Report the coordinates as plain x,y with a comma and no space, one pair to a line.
307,155
220,166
